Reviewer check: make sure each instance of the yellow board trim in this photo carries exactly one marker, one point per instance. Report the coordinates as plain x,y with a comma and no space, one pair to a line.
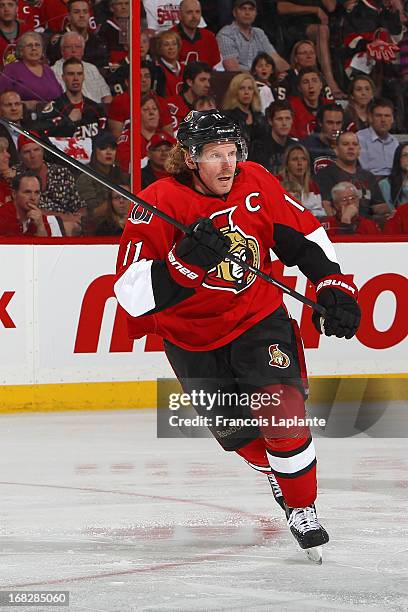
143,394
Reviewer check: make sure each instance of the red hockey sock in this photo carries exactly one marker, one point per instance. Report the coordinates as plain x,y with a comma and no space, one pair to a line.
254,454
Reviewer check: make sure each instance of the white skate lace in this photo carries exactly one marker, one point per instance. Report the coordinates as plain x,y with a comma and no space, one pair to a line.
276,490
303,519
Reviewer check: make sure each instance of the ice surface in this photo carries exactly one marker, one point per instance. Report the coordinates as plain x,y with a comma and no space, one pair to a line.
95,504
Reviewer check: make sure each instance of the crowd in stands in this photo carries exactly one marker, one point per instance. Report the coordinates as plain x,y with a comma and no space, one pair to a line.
319,88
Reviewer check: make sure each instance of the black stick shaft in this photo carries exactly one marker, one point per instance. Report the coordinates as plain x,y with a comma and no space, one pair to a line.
159,213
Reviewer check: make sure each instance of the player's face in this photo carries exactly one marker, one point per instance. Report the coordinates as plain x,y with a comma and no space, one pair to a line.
362,92
106,156
331,124
8,10
73,77
79,15
310,86
150,115
32,156
305,56
263,70
145,80
381,120
282,123
217,167
297,164
246,92
190,14
120,205
201,84
72,46
169,48
120,9
348,148
27,197
11,106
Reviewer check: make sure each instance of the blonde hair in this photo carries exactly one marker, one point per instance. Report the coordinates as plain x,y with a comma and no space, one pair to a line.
158,39
176,161
288,182
4,144
231,97
296,47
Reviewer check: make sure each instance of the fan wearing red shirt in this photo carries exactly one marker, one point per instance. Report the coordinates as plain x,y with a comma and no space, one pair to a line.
157,152
347,220
197,44
10,30
398,223
307,103
225,330
196,83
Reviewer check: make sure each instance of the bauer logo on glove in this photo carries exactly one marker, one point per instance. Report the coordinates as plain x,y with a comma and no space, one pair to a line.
343,314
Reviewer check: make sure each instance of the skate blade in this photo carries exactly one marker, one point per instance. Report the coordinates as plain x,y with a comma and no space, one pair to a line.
314,554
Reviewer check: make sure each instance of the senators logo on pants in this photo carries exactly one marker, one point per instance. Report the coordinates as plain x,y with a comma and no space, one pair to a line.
228,275
279,359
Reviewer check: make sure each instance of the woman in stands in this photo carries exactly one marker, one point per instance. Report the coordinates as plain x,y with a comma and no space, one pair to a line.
114,221
295,177
169,71
361,92
395,187
242,103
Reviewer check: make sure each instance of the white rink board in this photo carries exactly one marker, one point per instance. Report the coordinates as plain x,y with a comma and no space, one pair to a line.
50,283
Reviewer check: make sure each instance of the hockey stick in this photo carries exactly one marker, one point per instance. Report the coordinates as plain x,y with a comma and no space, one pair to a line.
159,213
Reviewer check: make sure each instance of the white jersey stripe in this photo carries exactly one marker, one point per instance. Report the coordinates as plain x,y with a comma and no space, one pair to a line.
134,290
320,237
290,465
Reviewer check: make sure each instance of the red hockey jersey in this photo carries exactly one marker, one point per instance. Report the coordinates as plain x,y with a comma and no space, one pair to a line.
257,215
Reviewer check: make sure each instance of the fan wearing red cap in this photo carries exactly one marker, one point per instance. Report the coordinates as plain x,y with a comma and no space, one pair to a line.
158,150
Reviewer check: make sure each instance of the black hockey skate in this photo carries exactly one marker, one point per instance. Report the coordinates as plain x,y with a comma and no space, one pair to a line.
307,530
277,491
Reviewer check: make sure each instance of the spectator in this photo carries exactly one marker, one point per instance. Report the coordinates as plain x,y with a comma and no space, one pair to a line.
196,83
33,80
10,30
346,168
11,108
361,93
58,192
7,173
149,123
168,69
264,72
145,47
295,178
79,18
94,87
72,114
204,103
116,215
243,103
115,31
311,20
306,104
197,44
157,152
395,187
103,159
123,150
321,144
377,144
146,79
280,119
347,218
22,216
163,17
53,15
240,43
303,55
398,223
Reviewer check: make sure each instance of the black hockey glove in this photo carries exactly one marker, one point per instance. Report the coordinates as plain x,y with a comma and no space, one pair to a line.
339,297
200,250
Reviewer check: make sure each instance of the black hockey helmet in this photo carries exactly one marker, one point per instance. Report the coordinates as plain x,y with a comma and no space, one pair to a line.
201,127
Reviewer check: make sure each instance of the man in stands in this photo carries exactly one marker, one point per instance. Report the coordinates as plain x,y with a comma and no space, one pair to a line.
22,216
115,31
197,44
280,118
306,104
12,109
240,42
321,144
10,30
72,114
95,87
79,20
347,219
196,83
157,152
377,144
346,168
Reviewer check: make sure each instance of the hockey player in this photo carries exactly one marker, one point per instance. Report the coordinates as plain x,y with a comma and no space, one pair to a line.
223,327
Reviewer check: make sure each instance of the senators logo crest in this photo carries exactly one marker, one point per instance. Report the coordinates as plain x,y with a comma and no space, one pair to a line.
279,359
230,276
